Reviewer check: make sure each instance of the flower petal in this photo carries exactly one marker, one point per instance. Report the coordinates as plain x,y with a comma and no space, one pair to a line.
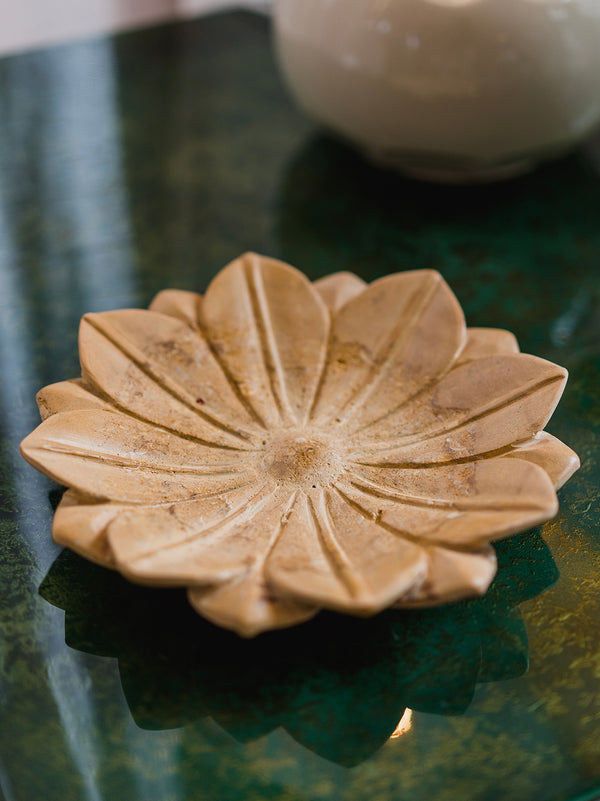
464,505
80,524
453,575
159,369
69,396
487,342
269,327
338,288
209,543
482,406
400,333
557,459
247,606
110,455
179,304
147,534
330,555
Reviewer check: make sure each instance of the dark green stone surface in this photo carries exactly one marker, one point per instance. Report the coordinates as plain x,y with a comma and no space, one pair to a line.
146,161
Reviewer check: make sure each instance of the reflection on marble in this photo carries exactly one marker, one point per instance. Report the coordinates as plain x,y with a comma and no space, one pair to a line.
58,119
533,240
177,669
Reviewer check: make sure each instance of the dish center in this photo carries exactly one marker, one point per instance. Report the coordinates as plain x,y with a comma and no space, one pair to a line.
301,460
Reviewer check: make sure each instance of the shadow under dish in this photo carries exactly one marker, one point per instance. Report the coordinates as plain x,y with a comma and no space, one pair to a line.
337,685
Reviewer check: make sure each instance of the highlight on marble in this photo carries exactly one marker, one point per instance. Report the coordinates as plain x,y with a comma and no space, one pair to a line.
279,446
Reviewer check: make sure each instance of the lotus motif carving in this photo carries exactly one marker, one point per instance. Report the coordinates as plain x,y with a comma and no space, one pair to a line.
278,446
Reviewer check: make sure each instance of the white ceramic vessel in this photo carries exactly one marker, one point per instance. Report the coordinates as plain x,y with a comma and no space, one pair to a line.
447,89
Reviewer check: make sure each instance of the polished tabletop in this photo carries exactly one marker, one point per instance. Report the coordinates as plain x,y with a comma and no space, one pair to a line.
149,160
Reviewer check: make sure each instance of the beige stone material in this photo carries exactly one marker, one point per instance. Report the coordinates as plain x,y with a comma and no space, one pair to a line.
278,446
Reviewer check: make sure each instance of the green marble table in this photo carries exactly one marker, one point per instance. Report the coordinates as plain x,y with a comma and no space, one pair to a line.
149,160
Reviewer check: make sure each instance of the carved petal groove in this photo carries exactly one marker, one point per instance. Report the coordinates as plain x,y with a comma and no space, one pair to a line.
269,327
110,455
215,548
159,370
401,332
455,505
331,556
481,406
246,603
145,534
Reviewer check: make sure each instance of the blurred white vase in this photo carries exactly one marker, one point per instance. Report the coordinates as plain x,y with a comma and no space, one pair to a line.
461,90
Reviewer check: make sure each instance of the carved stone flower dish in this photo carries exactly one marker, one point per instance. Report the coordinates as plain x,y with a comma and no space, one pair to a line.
278,446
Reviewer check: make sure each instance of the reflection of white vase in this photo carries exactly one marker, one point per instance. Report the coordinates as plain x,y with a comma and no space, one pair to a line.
448,89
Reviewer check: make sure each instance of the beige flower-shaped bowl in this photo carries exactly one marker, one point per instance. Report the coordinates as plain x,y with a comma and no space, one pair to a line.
278,446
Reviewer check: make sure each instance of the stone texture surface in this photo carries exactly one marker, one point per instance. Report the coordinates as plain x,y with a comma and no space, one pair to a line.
278,447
